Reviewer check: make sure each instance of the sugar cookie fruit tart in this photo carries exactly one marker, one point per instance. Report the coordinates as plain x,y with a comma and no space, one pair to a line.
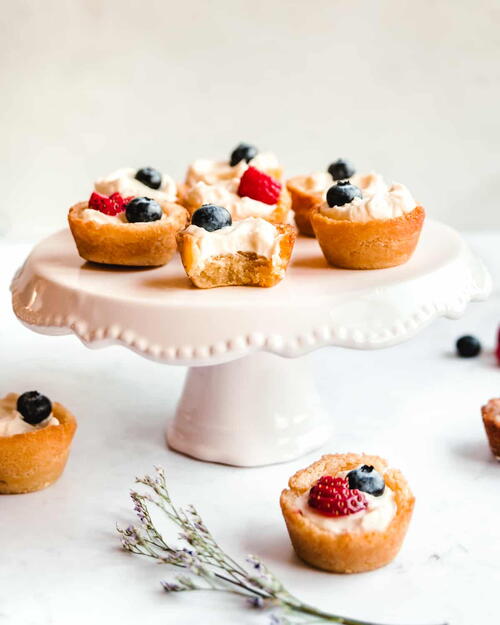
130,231
130,182
35,438
347,513
248,184
491,420
307,191
217,252
372,227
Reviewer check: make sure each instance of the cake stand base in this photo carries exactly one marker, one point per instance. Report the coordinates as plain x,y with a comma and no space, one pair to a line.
261,409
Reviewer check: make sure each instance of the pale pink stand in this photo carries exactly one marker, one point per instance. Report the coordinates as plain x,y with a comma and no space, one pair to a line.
242,404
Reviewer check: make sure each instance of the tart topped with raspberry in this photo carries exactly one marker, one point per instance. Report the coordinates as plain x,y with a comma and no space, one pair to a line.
146,181
217,252
347,513
130,231
35,437
248,184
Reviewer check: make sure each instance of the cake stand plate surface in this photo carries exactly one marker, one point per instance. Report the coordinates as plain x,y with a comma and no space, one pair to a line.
242,404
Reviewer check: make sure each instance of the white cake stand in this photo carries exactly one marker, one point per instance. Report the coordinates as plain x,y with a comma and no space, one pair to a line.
242,404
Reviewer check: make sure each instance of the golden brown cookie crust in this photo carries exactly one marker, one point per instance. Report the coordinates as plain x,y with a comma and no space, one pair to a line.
374,244
491,420
242,269
303,202
134,245
347,552
34,460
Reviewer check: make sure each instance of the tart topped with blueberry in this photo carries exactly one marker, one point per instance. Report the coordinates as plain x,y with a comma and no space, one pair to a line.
248,184
372,225
131,231
35,436
347,513
143,182
216,251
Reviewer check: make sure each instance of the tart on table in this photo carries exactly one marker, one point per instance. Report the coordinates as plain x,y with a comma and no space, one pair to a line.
347,513
35,439
128,230
491,421
248,184
216,252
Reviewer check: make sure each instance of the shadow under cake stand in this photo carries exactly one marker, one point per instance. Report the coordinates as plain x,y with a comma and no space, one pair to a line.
249,398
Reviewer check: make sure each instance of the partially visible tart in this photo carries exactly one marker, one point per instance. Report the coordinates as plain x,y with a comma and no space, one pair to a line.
35,438
491,420
126,231
347,513
367,228
251,252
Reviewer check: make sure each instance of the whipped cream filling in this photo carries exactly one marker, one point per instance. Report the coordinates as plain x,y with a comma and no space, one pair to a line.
379,201
226,194
211,172
12,422
376,517
123,181
251,235
90,214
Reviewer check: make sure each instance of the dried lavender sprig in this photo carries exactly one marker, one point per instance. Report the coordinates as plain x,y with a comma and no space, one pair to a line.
212,568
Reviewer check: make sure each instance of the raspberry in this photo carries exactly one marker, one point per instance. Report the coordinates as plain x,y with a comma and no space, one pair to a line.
332,496
259,186
112,205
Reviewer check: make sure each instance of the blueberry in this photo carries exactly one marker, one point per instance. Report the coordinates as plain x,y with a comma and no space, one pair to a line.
242,152
468,347
211,217
368,480
143,209
341,169
149,176
342,193
34,407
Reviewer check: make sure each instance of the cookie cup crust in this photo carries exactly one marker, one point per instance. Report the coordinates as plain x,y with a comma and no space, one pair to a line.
303,202
278,216
347,552
34,460
375,244
491,421
241,269
135,245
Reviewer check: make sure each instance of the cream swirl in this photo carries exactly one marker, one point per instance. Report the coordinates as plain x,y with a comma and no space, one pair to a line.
12,422
375,518
226,194
90,214
212,172
251,235
379,201
123,181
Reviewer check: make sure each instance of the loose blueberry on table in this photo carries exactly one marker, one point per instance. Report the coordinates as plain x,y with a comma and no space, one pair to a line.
468,346
242,152
366,479
332,496
34,407
149,176
143,209
341,169
211,217
342,193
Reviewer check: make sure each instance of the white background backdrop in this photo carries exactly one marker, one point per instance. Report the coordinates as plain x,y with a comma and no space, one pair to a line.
410,89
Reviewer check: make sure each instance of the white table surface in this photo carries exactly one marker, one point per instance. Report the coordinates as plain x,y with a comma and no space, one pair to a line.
416,404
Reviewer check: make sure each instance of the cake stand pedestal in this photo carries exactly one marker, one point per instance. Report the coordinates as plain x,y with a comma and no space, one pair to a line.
248,399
